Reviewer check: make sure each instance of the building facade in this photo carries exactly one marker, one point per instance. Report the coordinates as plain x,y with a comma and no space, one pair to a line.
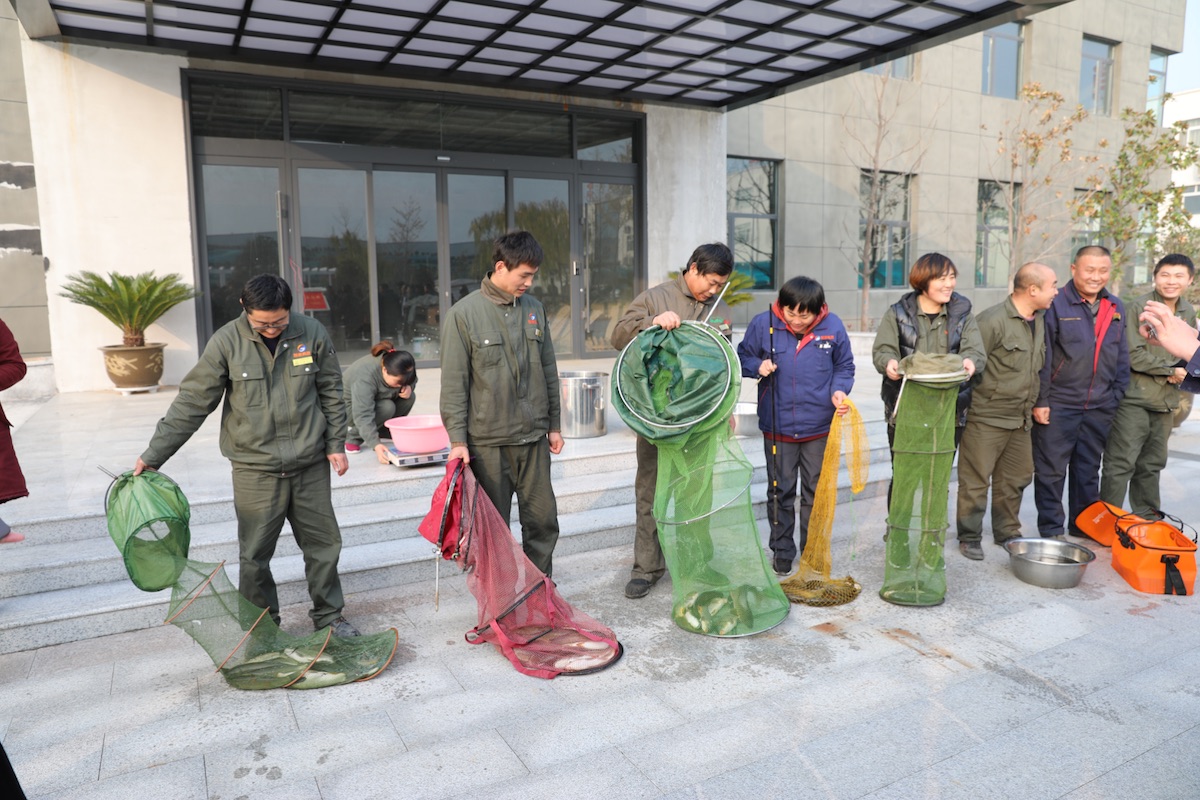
938,115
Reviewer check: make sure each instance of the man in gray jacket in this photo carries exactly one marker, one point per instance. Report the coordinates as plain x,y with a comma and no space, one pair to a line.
500,399
689,297
283,425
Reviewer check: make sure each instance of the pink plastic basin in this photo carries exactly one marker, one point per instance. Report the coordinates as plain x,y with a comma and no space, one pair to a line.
418,433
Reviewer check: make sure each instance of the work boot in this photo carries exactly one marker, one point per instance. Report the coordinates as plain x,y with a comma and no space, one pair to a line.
971,550
782,566
343,629
637,588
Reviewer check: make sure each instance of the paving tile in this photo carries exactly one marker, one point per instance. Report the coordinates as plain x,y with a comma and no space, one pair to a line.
607,774
275,758
178,780
15,666
584,728
1166,772
397,687
425,721
455,767
48,694
222,722
55,765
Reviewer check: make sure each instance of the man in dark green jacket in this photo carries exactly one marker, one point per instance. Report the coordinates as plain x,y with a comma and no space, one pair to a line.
500,399
283,425
1136,451
996,446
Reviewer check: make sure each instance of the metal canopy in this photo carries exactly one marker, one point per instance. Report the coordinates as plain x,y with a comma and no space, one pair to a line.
710,53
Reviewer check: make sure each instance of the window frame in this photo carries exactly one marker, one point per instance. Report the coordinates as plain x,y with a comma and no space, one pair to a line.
1156,83
990,36
1093,104
987,262
733,217
887,227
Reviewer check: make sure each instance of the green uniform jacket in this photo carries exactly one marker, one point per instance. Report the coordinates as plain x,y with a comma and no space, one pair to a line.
365,388
1009,387
499,373
670,296
931,338
282,413
1149,366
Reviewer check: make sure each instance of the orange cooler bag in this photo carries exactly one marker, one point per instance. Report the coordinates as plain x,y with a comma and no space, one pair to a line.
1154,557
1099,522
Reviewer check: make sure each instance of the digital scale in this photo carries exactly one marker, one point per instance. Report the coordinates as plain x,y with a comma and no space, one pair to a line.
399,459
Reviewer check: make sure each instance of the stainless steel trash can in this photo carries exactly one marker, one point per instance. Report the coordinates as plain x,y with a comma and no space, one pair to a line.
584,397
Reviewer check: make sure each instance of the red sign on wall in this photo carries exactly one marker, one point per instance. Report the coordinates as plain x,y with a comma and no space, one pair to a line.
314,300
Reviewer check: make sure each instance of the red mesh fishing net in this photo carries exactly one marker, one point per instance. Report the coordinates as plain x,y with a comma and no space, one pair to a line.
520,609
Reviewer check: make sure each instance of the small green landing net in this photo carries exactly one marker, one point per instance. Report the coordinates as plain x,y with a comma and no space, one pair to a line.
923,454
148,518
677,389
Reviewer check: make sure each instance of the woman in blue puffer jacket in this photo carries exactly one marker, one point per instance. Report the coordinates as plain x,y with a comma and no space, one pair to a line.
801,355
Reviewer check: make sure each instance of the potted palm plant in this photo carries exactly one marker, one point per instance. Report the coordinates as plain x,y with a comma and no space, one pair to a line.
132,303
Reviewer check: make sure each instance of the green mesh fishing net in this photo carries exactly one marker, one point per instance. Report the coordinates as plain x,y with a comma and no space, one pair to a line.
677,389
923,454
148,518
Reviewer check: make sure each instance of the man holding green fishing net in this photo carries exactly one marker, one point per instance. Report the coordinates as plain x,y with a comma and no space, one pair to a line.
694,295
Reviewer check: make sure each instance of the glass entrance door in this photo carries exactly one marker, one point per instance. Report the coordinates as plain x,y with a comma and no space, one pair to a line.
542,207
334,264
610,248
242,234
405,211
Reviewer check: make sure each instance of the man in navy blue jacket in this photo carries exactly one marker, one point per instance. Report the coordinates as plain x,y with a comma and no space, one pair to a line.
801,355
1082,382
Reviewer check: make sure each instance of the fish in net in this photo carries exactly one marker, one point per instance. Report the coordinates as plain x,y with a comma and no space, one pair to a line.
812,584
148,520
677,390
521,612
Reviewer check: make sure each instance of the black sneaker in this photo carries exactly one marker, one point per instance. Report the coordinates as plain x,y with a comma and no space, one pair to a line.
343,629
783,566
637,588
972,550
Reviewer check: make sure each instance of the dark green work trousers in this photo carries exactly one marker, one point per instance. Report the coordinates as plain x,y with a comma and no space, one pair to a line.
524,469
1134,458
263,500
648,561
1003,458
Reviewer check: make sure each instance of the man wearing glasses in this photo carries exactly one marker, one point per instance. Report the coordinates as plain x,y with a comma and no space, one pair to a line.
283,425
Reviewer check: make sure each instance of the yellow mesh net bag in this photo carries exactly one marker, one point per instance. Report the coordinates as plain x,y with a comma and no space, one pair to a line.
811,585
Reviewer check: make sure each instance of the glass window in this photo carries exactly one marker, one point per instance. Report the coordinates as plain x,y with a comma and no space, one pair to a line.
239,112
1087,228
1095,77
752,195
1156,84
1002,61
600,139
884,206
993,249
405,213
900,68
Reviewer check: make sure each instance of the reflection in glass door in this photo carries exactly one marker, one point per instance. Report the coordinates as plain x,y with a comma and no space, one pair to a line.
475,217
541,206
333,256
406,258
609,258
241,233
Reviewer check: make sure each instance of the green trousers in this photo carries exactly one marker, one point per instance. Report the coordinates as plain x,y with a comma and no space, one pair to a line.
1134,457
525,470
263,500
1002,458
648,561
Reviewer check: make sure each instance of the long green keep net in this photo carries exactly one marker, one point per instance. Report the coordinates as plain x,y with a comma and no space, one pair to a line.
148,519
677,389
923,454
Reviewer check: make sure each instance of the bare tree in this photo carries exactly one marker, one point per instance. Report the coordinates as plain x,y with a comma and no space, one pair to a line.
874,144
1034,160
